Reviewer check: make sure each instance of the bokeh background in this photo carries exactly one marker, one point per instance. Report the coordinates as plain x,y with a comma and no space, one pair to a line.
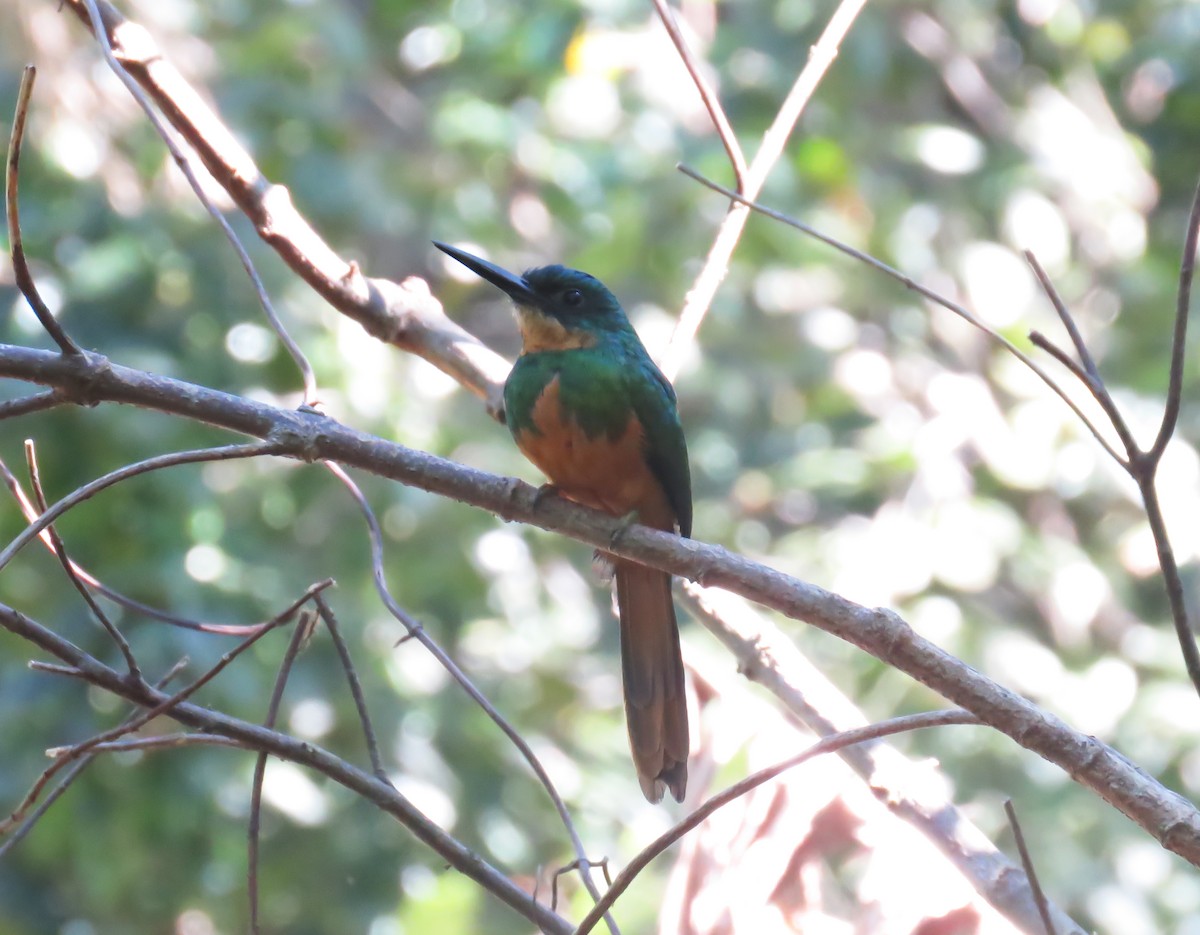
839,428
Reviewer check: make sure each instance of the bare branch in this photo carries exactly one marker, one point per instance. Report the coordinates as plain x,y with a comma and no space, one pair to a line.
48,516
185,166
1183,302
405,314
826,745
66,755
716,264
712,103
1027,863
38,402
60,552
74,772
1068,321
303,753
1172,580
356,692
154,613
12,176
300,636
417,632
915,286
160,742
1167,817
1088,374
766,656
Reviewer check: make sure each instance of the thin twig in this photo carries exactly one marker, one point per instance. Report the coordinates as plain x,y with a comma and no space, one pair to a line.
356,692
915,286
1172,580
303,753
1027,863
73,773
160,742
68,755
418,633
185,165
1183,302
38,402
582,867
1068,321
716,263
1086,371
24,277
60,552
80,494
708,94
22,831
1144,465
829,744
124,600
300,635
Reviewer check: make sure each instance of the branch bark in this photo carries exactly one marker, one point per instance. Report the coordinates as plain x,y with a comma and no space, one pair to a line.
1163,814
405,314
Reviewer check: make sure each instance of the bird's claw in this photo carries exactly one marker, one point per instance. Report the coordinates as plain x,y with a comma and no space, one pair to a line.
623,525
546,490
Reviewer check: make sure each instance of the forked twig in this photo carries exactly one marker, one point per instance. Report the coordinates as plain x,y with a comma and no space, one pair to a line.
1140,464
708,94
417,632
68,755
915,286
310,755
700,296
74,772
30,512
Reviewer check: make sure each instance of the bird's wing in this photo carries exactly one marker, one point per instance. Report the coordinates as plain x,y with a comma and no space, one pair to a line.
653,401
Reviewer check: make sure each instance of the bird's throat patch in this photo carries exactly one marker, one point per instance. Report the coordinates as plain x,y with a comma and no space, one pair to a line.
541,332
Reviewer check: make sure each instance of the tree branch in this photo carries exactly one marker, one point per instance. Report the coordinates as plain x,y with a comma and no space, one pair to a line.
405,314
307,436
766,656
303,753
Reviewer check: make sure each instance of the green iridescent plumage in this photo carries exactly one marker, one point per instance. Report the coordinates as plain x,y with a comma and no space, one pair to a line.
603,384
587,405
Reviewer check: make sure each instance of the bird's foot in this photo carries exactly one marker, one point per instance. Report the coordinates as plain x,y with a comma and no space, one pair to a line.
546,490
623,524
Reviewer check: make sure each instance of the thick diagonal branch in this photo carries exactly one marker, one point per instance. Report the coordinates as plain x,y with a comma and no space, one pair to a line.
1167,817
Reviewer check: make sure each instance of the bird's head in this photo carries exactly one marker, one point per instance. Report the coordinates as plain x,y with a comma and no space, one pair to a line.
557,308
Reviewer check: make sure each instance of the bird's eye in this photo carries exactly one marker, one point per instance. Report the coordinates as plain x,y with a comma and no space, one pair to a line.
572,297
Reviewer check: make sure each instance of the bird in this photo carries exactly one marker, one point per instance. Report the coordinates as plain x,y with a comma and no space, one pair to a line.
587,405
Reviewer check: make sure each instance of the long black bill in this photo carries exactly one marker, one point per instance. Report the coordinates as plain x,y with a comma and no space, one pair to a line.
515,286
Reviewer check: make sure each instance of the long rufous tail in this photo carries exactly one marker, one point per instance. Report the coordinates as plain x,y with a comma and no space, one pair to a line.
652,670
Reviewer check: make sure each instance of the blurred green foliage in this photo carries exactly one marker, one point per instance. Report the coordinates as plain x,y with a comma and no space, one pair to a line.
839,429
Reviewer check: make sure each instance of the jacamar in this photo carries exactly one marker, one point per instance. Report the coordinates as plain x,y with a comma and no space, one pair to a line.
587,405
